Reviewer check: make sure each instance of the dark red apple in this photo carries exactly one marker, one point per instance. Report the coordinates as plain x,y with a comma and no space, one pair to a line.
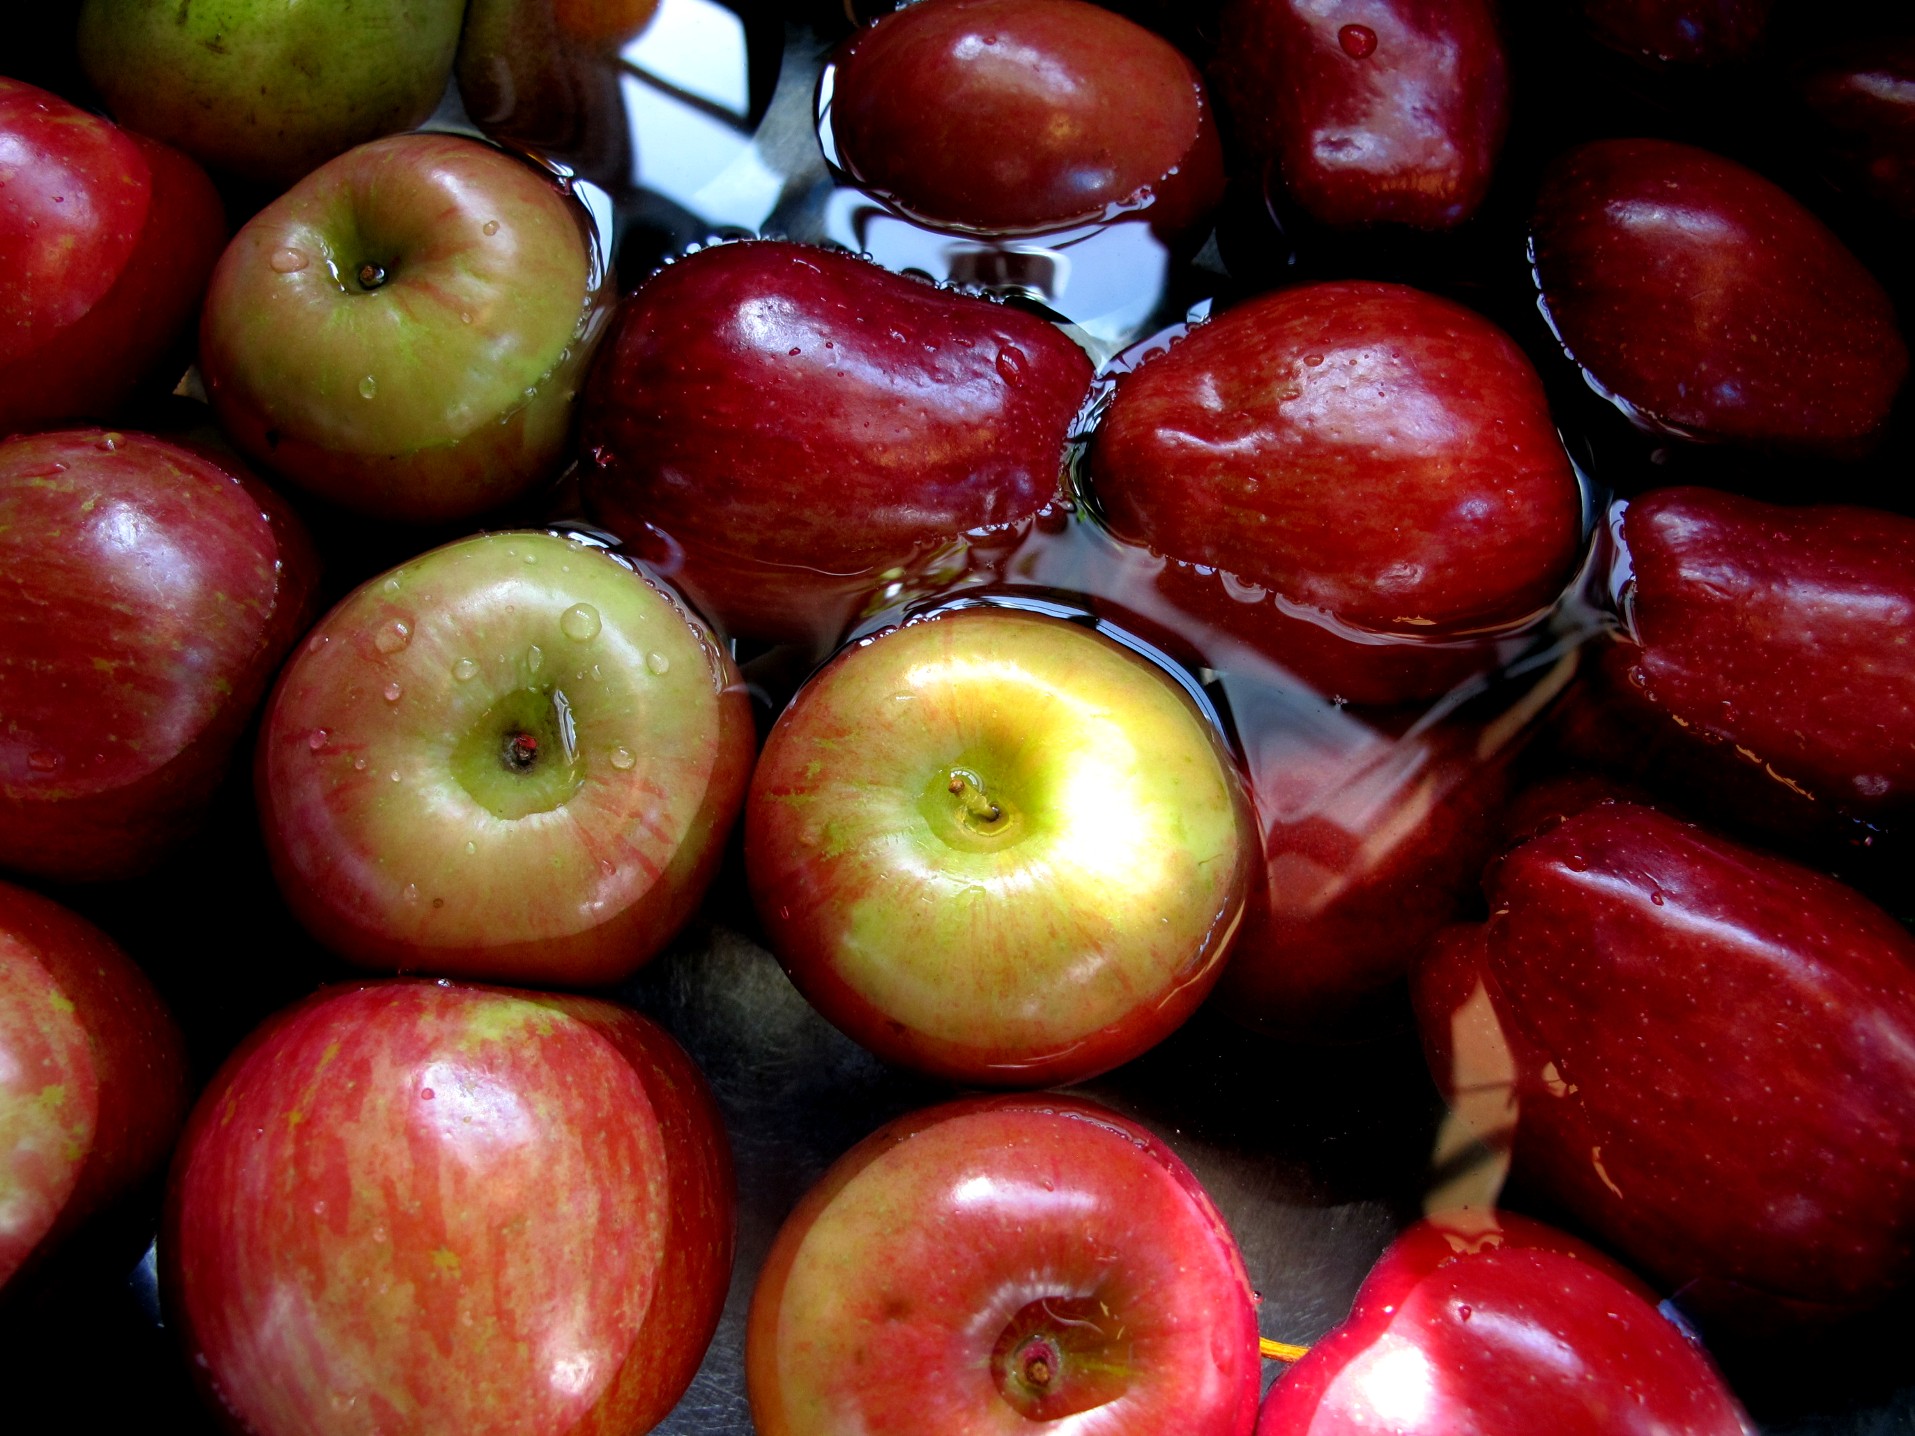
1709,304
1862,98
1779,633
513,758
1710,1054
1682,32
1486,1324
777,428
1355,456
93,1084
451,1210
1001,1265
106,239
1369,111
1009,115
147,593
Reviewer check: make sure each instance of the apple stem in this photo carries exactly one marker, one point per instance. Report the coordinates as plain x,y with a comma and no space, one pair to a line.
1279,1350
969,791
521,751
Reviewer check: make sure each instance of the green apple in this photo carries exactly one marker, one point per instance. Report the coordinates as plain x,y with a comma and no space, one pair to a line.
403,331
269,89
998,846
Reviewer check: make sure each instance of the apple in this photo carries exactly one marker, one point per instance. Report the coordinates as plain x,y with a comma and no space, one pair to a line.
1710,1054
783,430
93,1084
403,331
108,239
269,89
999,1264
1706,303
1015,115
1780,634
1682,32
514,757
996,846
1369,111
1372,469
1479,1324
1861,97
147,594
449,1209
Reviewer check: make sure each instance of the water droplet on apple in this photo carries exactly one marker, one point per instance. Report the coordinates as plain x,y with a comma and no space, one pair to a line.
622,759
491,226
316,739
465,670
359,765
412,889
391,692
1358,41
1311,361
394,775
43,760
534,657
580,622
110,442
288,260
1463,1313
393,637
1657,898
464,318
471,848
657,662
368,386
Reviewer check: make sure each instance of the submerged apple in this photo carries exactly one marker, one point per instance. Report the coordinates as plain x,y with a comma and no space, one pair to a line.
513,757
1003,1265
997,846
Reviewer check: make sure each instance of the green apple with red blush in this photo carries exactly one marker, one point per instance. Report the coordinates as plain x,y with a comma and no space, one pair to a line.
515,757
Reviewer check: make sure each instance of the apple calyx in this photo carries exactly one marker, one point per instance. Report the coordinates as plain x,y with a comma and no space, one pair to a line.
371,275
1061,1355
522,757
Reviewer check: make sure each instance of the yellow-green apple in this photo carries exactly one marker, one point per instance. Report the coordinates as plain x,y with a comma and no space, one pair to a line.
403,331
1711,1056
998,846
147,593
1002,1265
449,1210
783,430
108,239
93,1081
269,89
515,757
1484,1323
1360,479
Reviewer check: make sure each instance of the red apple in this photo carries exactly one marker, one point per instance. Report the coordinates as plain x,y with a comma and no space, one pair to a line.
1369,111
107,239
514,757
1484,1324
1707,303
1010,115
1862,98
1711,1056
403,331
997,846
999,1265
1779,633
147,593
92,1076
778,428
1683,32
449,1209
1354,456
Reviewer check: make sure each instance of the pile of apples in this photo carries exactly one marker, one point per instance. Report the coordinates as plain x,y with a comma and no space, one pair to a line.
413,563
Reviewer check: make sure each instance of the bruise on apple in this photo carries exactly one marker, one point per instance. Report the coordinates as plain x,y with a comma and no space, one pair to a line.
1369,111
1373,466
1481,1323
1784,634
1712,1059
1708,304
782,430
1014,115
93,1081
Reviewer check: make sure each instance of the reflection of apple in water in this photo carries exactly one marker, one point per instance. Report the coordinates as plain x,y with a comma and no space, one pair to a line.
93,1083
449,1210
1001,1265
106,239
1711,1056
1491,1325
147,593
513,757
998,846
